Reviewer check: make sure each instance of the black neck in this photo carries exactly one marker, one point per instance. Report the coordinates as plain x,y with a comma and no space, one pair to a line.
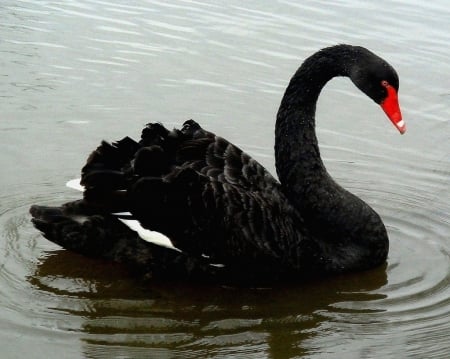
296,148
335,217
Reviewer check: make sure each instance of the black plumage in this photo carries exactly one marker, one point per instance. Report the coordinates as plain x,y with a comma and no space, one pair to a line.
228,217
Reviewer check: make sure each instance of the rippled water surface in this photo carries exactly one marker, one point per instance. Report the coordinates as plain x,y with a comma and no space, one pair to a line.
75,72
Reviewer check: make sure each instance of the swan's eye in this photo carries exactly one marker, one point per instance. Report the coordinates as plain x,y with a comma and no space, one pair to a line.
384,83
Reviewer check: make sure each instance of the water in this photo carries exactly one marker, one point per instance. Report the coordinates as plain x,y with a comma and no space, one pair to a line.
75,72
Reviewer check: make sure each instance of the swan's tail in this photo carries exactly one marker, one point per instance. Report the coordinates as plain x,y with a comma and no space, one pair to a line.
110,238
93,235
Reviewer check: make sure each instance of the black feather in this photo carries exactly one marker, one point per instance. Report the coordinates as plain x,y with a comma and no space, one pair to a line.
218,205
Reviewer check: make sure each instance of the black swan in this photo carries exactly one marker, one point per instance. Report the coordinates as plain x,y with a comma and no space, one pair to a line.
228,218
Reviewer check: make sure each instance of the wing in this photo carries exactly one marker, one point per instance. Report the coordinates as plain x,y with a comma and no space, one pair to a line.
214,202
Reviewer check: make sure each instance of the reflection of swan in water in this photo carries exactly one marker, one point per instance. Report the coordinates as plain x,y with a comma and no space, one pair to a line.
121,315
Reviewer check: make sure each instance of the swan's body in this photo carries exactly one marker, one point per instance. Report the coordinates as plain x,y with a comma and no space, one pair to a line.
228,218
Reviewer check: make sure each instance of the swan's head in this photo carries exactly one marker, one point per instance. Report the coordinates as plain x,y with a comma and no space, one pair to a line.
378,80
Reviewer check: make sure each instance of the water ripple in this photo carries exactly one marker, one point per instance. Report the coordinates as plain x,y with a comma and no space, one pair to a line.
103,306
97,62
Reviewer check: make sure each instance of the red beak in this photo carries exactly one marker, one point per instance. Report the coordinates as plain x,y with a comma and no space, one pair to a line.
392,109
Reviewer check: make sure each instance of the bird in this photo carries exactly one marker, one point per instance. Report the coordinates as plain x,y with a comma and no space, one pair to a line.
217,215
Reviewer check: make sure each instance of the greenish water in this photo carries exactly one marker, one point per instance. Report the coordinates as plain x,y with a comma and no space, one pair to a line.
73,73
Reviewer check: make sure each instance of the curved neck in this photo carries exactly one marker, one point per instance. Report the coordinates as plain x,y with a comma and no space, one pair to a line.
296,148
335,217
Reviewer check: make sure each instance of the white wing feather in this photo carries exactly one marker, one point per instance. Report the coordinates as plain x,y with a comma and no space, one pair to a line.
149,236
